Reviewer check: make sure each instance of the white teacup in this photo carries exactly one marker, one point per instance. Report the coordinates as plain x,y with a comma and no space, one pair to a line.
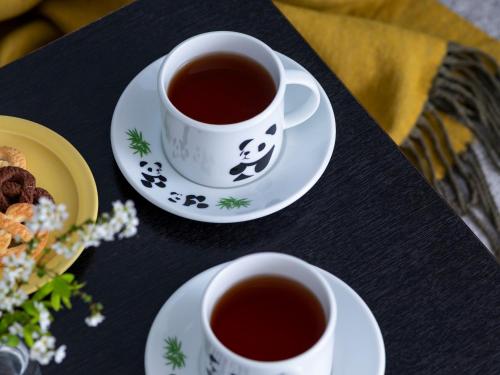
217,359
233,154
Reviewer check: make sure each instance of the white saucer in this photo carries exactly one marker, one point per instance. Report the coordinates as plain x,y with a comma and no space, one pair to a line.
306,153
359,347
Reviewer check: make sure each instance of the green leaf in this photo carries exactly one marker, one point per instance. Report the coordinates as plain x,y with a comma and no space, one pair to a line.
8,319
29,307
68,277
28,335
55,301
20,316
5,322
77,286
61,287
87,298
44,291
12,340
66,302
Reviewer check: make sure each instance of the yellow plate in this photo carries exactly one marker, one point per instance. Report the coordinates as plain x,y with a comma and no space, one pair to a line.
60,169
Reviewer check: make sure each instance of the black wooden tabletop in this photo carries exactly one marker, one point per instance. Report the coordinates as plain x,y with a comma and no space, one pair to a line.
371,219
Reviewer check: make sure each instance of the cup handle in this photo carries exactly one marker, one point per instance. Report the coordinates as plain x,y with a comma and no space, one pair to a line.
309,107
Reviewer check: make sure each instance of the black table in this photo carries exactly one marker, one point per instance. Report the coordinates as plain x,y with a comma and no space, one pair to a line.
371,220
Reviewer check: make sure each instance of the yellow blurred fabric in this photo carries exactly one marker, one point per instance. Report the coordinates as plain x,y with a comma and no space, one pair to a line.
26,25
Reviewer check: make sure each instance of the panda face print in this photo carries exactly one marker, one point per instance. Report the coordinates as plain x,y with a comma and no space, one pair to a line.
189,200
197,200
175,197
151,175
255,155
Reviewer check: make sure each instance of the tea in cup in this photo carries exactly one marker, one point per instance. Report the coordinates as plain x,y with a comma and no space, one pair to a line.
223,107
268,314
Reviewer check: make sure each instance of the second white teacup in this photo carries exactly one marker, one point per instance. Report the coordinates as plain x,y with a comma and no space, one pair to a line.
216,358
232,154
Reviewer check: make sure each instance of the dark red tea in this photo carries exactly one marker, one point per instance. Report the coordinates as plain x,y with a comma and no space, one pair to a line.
221,88
268,318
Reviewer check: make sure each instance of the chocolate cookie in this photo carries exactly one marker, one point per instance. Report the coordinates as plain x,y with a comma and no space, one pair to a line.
39,193
17,185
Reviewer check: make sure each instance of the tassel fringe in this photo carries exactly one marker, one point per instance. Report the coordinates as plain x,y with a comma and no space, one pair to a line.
467,88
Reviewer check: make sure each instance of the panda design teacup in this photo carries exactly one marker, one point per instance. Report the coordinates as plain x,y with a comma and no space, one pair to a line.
234,154
218,359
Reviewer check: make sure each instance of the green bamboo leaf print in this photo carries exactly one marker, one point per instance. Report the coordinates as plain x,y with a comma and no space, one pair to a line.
230,202
138,143
173,353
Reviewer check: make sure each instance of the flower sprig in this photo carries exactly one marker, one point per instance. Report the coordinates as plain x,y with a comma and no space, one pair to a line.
29,318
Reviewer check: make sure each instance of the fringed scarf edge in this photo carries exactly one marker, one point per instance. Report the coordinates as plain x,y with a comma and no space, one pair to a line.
467,88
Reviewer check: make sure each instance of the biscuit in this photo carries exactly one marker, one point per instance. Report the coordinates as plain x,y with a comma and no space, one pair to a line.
11,157
12,228
16,186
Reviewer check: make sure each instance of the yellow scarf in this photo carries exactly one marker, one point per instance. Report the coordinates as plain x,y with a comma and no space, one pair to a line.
407,64
404,60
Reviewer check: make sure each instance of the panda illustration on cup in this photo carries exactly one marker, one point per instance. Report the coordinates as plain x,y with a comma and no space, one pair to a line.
189,200
151,174
255,155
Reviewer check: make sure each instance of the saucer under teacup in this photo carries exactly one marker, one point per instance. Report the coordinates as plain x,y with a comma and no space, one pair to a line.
136,141
175,339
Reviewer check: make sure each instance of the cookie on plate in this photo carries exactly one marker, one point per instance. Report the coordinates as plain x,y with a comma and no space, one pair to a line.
14,235
12,157
17,185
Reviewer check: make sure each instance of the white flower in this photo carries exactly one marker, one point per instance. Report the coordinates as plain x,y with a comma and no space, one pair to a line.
123,223
7,304
42,350
60,354
88,236
12,299
17,268
104,232
47,216
4,289
120,212
61,248
44,317
18,297
94,320
16,329
10,296
65,249
130,228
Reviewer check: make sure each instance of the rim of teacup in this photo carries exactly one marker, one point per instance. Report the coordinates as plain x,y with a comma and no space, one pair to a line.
323,340
222,128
